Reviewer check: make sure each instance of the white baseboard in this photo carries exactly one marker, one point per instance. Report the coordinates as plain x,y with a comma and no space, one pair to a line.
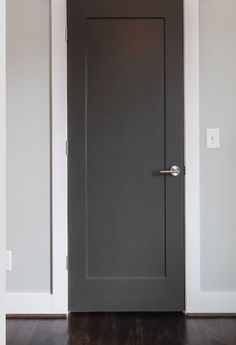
42,303
29,303
214,302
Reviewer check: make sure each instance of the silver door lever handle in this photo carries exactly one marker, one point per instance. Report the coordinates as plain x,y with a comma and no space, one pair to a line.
174,171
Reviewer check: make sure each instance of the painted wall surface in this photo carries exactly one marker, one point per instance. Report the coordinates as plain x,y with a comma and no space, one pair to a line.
28,145
218,166
2,170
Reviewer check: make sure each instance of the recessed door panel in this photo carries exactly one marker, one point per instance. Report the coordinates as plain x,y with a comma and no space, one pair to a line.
125,144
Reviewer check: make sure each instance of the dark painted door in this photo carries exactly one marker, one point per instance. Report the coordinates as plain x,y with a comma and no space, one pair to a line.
125,125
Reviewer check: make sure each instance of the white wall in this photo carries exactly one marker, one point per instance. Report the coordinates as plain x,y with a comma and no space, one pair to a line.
28,145
216,292
218,166
2,172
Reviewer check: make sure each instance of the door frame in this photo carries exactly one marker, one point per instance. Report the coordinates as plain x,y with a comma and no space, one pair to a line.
59,156
192,155
59,164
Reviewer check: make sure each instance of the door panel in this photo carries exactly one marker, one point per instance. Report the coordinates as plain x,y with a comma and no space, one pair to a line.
125,143
125,124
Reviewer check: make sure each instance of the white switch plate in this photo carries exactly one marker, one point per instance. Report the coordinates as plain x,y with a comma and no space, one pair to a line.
8,260
212,138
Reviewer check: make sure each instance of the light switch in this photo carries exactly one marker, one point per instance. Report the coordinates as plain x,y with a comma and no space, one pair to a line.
212,138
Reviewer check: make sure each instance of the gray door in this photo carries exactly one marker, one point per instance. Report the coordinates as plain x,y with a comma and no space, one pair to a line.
125,125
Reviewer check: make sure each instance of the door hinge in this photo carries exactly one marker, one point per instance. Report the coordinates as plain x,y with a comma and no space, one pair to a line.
184,170
66,149
66,33
67,262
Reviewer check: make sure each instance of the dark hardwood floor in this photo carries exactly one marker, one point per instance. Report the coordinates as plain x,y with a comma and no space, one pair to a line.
122,329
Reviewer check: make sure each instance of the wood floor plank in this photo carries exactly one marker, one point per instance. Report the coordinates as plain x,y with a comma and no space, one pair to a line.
123,329
25,332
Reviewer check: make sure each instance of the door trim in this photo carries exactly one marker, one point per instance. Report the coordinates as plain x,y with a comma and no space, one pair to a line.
59,158
192,158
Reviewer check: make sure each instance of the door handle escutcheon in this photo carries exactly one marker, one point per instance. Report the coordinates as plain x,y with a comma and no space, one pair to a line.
174,171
